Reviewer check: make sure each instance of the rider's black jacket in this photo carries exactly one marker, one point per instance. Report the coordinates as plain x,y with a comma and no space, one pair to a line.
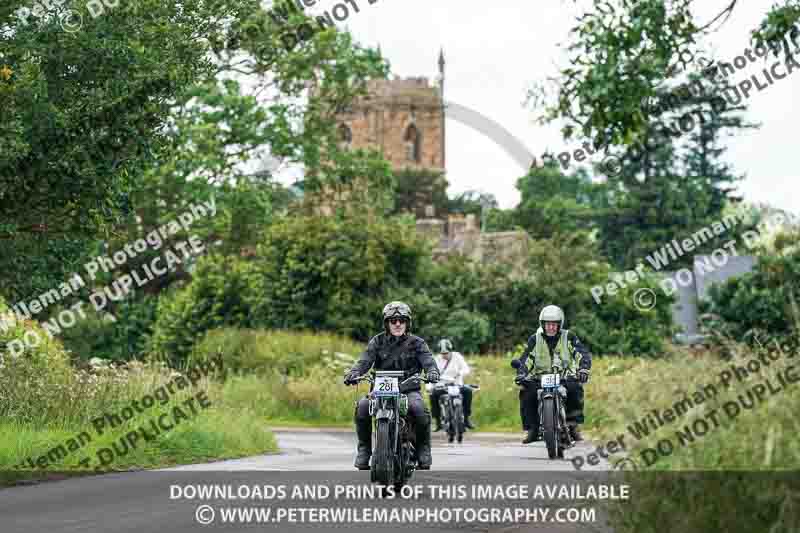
386,352
572,340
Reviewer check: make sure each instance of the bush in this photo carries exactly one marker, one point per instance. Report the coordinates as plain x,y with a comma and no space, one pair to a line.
467,329
265,352
766,299
224,291
560,271
123,340
328,274
36,383
484,306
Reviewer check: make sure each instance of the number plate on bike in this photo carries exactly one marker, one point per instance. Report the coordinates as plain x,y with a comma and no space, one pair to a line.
385,386
453,390
550,380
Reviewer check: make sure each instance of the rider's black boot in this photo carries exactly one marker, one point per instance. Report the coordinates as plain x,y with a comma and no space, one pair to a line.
438,425
423,446
468,424
574,433
364,432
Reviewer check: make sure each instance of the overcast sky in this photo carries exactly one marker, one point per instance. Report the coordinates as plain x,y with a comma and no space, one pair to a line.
496,51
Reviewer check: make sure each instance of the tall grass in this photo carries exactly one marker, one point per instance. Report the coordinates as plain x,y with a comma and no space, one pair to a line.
248,351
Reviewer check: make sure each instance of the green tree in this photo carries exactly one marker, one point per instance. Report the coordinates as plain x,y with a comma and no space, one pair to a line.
418,188
145,94
553,202
664,192
329,273
623,52
224,291
471,202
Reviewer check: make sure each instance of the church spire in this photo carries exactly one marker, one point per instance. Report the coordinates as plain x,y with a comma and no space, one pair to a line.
441,71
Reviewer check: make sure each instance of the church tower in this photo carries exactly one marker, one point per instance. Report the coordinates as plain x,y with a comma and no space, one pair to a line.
403,119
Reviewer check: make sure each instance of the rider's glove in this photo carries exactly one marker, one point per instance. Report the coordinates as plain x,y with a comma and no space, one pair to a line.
519,379
583,375
433,375
350,378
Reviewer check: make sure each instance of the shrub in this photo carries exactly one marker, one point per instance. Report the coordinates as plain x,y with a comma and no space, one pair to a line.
34,384
766,299
103,337
469,330
335,274
224,291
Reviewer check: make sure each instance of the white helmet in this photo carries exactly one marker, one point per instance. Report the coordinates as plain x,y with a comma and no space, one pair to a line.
552,313
445,346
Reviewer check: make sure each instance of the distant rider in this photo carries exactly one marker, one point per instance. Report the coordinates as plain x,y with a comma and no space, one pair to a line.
452,366
550,341
395,349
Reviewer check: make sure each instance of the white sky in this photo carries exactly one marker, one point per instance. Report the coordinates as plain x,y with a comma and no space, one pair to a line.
495,51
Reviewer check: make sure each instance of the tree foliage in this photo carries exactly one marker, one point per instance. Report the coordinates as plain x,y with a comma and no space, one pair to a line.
156,96
623,52
766,300
551,202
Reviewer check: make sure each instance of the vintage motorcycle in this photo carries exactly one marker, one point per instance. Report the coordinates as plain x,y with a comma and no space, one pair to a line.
451,407
394,457
552,401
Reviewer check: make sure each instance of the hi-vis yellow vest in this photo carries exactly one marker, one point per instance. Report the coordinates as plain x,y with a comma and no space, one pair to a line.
542,362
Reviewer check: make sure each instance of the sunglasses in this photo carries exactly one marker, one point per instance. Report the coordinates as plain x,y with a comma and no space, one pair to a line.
397,321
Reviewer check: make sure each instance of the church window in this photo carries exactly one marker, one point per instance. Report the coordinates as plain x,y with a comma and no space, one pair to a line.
412,142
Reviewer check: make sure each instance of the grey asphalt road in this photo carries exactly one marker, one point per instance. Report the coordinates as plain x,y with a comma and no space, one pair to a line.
145,502
334,449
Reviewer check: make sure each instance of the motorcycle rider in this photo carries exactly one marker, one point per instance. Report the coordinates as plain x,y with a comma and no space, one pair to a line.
452,366
551,340
395,349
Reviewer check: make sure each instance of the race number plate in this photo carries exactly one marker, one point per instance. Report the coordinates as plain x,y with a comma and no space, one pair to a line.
385,386
453,390
550,380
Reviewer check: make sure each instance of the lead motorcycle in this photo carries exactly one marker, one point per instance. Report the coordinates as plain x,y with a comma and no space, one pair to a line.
552,401
394,456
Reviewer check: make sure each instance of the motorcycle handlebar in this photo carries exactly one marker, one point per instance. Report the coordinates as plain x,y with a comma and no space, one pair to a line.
555,370
368,377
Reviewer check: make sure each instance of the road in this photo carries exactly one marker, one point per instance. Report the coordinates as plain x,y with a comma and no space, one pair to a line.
333,449
144,502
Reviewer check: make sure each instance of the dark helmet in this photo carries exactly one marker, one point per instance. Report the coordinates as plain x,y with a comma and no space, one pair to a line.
396,309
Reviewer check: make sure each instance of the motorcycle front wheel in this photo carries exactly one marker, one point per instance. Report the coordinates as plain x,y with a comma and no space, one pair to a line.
458,421
382,460
549,426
